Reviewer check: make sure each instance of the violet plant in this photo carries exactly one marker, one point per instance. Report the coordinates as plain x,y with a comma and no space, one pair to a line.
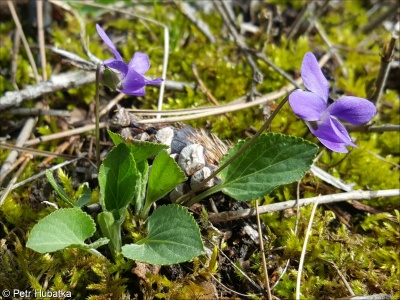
118,75
251,169
125,180
125,78
322,120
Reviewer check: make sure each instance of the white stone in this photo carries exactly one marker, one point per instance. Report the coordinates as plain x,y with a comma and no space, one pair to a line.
191,159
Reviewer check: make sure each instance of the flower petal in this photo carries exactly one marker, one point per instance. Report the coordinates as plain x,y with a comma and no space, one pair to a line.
324,130
306,105
139,92
313,78
118,65
337,147
109,43
140,62
341,132
132,82
332,134
153,81
353,110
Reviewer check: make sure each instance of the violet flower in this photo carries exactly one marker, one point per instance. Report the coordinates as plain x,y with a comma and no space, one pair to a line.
321,119
125,78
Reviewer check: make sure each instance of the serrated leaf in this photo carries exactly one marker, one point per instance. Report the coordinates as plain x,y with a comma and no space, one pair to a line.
58,188
116,138
173,237
140,150
60,229
165,174
117,179
272,160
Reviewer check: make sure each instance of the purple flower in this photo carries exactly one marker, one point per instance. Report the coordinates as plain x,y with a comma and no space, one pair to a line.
125,78
321,119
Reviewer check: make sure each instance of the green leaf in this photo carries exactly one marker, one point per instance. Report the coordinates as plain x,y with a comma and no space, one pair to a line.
100,242
58,188
117,179
140,150
111,229
165,174
86,196
116,138
272,160
173,237
111,78
60,229
139,199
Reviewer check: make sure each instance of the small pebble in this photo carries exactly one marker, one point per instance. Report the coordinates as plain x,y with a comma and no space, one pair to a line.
199,176
178,191
191,159
165,136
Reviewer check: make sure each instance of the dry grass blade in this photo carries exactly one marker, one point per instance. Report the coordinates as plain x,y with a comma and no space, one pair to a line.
12,168
262,252
24,40
12,185
39,6
35,151
244,274
230,290
341,276
13,180
63,134
303,251
23,136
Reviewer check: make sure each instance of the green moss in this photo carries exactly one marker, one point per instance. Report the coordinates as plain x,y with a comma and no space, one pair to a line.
357,166
5,52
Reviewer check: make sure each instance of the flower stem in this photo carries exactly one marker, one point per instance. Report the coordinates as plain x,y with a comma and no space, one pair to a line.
97,112
267,123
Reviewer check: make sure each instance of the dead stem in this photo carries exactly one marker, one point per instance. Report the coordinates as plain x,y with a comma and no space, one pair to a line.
39,11
303,251
262,252
354,195
386,58
97,112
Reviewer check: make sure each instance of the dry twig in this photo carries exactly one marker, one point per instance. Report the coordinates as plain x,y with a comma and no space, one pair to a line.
386,58
354,195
